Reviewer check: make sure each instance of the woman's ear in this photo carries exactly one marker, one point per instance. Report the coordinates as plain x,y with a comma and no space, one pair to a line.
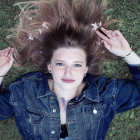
86,69
49,66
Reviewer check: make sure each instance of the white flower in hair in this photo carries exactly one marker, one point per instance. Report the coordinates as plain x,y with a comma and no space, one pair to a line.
99,24
30,18
96,26
45,25
40,31
98,42
30,37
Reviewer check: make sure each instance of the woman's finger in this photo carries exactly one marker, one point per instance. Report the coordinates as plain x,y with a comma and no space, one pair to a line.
102,36
109,34
11,50
105,30
1,52
107,45
116,33
5,52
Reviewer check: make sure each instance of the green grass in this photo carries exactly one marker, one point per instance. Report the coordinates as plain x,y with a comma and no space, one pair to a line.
125,126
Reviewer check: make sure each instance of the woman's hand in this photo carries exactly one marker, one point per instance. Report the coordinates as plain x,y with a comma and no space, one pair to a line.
115,42
6,60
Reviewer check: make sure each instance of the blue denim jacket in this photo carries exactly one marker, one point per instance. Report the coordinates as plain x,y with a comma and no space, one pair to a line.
89,115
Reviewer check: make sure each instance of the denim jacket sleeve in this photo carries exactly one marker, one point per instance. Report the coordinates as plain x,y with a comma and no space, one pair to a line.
14,92
128,91
6,108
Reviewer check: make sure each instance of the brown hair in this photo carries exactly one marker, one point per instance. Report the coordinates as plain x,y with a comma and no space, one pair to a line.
68,25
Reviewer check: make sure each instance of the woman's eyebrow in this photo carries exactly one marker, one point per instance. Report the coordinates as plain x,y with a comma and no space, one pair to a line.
60,60
74,61
78,62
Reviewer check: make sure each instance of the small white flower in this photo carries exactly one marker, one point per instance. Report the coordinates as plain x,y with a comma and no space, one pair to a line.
98,42
94,26
40,31
37,35
45,25
30,18
30,37
99,24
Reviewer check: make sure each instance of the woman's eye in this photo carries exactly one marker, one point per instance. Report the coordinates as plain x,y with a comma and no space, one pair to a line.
59,64
77,65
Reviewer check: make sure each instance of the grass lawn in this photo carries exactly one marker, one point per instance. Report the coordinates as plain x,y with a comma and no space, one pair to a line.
125,126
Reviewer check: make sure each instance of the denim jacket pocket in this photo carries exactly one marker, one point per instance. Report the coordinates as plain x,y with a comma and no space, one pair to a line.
32,116
31,121
93,115
94,109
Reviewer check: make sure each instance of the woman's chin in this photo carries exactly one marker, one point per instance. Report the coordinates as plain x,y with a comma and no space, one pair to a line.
68,86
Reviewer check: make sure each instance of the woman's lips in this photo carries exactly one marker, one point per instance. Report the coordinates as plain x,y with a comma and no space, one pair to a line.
68,80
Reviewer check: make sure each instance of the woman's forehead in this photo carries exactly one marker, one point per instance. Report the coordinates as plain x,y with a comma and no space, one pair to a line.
71,54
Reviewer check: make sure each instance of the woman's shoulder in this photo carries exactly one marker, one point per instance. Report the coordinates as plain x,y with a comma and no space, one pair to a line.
100,81
30,77
97,78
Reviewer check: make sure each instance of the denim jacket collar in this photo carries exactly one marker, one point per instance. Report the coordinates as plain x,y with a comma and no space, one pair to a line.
91,91
44,89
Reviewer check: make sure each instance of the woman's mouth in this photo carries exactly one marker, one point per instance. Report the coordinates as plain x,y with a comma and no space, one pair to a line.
68,80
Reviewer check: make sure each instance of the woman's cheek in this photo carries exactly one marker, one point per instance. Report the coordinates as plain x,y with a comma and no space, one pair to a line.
58,70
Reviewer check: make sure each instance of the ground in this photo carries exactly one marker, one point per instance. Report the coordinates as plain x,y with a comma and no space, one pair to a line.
125,126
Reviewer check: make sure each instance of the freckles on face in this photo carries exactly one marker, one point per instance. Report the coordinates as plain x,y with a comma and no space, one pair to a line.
68,66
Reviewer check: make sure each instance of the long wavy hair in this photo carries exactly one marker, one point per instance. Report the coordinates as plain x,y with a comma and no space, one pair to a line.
67,23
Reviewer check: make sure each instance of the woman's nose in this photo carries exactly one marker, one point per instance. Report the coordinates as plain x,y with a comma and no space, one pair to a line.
68,71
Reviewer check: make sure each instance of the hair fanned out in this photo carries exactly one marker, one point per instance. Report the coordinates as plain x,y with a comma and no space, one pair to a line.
45,25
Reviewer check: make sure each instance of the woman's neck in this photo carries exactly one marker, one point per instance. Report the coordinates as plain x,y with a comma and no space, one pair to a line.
66,94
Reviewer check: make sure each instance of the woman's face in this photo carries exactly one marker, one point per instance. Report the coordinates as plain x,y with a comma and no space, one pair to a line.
68,66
